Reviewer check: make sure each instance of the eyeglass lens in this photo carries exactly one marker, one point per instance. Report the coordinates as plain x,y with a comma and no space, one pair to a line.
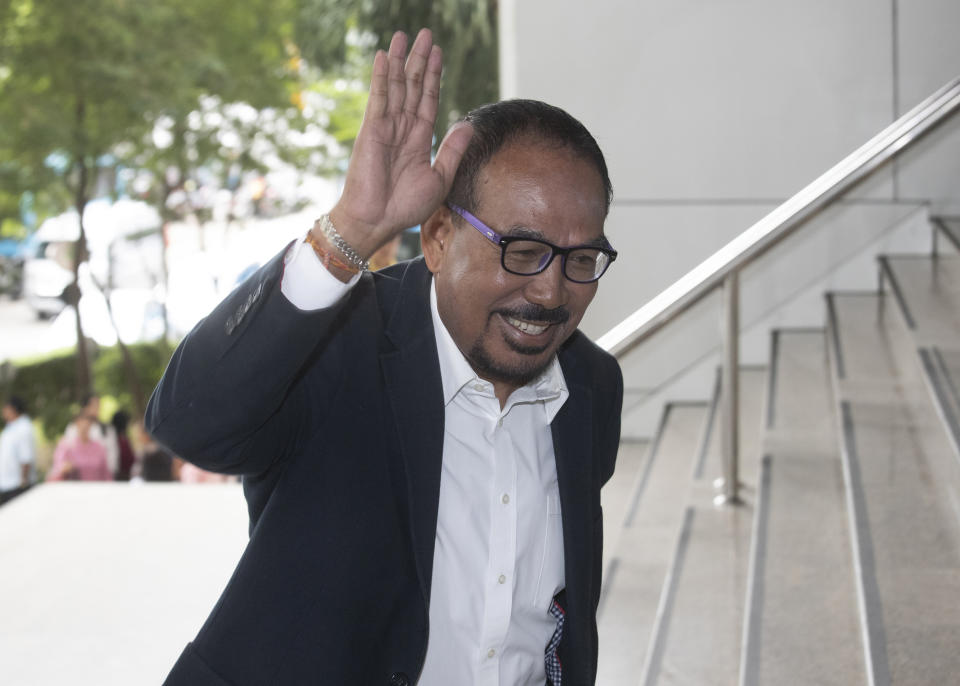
531,257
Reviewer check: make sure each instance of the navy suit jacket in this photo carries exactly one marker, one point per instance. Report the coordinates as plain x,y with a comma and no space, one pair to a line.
335,420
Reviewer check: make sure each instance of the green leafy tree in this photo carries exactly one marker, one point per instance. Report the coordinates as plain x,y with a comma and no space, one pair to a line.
66,66
78,78
22,189
84,81
224,53
328,31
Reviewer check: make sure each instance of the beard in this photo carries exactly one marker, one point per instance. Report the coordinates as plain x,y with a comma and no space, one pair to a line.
521,372
517,374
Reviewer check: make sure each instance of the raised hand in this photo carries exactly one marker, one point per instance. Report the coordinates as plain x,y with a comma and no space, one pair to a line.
391,184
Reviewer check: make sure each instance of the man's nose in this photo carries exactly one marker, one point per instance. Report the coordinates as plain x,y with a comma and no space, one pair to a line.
549,287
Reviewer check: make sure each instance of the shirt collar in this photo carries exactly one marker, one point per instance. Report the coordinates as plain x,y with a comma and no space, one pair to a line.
455,372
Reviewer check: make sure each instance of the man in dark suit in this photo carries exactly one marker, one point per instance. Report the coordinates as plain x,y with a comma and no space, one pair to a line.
422,448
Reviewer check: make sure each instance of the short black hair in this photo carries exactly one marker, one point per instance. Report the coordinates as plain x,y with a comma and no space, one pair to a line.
120,421
497,124
16,402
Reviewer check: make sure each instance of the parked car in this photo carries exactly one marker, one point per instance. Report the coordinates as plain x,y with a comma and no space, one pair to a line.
47,271
48,266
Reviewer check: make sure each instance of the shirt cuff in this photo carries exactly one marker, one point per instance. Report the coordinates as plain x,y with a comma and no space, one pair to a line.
306,282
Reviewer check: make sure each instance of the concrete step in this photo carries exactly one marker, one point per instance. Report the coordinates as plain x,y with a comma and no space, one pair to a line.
927,292
901,478
696,638
801,619
948,228
639,560
927,289
941,371
753,398
617,494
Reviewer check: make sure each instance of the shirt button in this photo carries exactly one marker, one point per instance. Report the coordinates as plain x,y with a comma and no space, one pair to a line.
499,422
505,498
501,579
491,652
478,387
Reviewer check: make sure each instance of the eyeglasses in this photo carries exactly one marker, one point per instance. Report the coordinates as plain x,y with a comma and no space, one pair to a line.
529,256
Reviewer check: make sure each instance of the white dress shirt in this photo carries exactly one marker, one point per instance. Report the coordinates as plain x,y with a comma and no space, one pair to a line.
16,450
306,283
498,560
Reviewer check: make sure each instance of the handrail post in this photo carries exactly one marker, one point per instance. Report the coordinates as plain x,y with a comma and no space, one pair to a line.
730,393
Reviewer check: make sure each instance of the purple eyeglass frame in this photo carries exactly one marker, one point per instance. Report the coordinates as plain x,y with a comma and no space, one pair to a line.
499,241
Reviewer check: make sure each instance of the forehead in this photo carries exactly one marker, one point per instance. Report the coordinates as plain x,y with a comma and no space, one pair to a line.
542,187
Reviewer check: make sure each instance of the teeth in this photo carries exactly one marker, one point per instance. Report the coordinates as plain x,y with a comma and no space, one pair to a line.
527,327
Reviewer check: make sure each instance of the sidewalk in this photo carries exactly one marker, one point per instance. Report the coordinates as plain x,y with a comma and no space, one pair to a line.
104,583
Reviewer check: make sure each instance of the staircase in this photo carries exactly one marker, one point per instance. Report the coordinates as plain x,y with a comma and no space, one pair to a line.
842,566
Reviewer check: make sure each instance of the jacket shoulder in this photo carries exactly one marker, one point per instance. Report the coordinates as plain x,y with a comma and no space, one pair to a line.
587,362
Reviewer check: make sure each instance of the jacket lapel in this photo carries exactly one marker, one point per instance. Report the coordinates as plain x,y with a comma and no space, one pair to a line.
572,429
411,374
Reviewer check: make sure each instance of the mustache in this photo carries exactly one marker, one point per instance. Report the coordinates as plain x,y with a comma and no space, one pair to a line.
537,313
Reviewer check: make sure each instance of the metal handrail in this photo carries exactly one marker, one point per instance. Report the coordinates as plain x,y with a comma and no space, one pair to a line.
722,269
711,273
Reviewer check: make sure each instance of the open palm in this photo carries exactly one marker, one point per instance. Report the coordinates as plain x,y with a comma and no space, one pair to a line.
391,184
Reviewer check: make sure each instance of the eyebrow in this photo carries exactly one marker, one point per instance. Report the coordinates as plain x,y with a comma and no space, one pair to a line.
520,231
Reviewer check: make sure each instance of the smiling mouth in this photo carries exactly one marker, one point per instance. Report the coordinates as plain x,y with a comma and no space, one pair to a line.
527,327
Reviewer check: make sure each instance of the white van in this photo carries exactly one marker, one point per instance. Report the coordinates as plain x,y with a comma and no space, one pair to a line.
125,247
47,270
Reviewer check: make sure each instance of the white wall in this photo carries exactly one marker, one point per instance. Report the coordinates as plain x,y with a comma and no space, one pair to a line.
712,112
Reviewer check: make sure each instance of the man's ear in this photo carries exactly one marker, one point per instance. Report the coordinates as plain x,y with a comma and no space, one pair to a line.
434,237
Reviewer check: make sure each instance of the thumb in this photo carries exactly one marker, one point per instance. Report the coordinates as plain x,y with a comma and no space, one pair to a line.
451,152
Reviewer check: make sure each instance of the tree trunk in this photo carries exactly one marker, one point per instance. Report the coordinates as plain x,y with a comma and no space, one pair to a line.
84,382
165,268
129,367
165,218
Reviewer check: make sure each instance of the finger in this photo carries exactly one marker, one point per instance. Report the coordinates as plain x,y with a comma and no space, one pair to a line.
396,87
451,152
377,102
415,67
430,99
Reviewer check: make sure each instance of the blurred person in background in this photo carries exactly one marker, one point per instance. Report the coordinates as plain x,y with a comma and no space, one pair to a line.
99,432
18,458
79,457
156,462
125,456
